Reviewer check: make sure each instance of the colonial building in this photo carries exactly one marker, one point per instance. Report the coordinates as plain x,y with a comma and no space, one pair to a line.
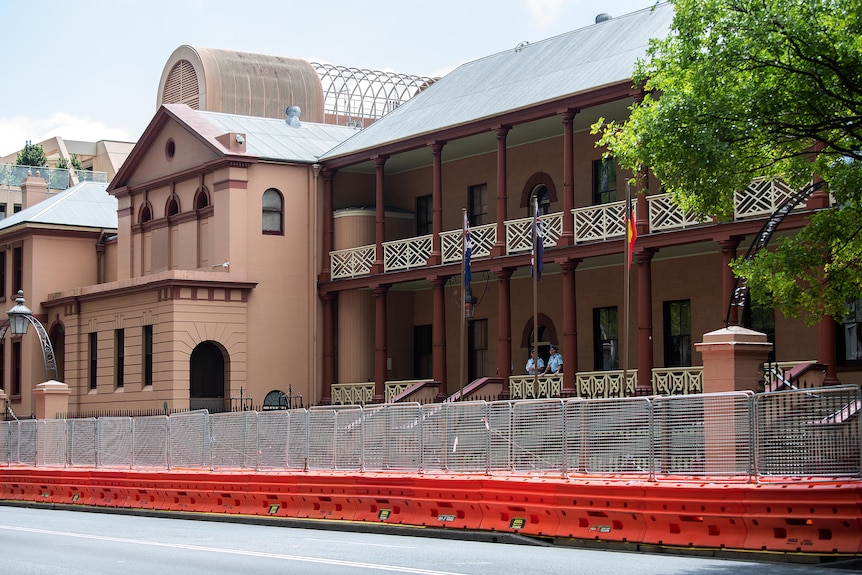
256,259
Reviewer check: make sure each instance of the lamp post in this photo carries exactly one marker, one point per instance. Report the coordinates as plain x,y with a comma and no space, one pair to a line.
20,318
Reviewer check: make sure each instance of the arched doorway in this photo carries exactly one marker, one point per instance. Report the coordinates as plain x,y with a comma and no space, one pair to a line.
207,377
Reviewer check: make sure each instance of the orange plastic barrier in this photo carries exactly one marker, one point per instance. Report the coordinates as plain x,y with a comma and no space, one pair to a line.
385,499
810,517
795,516
601,510
694,514
520,505
327,496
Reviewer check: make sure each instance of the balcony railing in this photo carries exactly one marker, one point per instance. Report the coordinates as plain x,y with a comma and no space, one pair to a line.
590,224
56,178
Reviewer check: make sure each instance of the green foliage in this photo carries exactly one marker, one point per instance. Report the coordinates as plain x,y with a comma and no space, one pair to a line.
74,162
748,88
32,155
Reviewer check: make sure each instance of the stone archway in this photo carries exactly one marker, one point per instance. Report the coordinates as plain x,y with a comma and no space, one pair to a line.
207,377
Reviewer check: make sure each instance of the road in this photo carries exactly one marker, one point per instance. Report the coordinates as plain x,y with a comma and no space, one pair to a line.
42,541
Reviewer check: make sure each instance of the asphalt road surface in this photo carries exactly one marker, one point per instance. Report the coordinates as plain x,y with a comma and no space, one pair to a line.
42,541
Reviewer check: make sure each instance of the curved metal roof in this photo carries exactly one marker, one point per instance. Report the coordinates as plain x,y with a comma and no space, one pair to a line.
240,83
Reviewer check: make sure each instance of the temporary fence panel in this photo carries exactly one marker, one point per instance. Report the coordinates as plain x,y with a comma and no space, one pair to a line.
5,441
402,446
189,440
51,446
468,430
349,437
434,437
537,436
273,428
375,427
703,434
574,434
322,431
617,435
26,442
234,440
297,447
114,442
809,432
500,435
81,434
150,440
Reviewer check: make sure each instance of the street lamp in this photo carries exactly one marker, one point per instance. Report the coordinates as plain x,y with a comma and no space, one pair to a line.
20,318
470,302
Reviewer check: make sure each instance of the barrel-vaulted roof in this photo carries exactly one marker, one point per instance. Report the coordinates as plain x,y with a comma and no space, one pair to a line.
529,74
240,83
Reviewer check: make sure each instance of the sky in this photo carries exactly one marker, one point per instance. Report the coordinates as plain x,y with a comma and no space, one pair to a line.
89,69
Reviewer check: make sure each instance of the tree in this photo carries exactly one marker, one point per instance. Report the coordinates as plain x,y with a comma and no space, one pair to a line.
32,155
752,88
73,162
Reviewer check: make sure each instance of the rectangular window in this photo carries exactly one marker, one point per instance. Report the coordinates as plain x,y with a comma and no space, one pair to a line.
92,355
423,352
605,339
604,181
424,215
761,318
2,211
849,339
478,204
2,366
17,269
119,357
677,333
477,348
16,368
16,208
2,273
148,354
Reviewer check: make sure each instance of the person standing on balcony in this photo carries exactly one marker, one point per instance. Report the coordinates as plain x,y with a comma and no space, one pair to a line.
555,362
535,363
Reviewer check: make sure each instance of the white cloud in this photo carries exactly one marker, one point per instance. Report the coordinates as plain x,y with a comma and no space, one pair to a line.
544,12
15,131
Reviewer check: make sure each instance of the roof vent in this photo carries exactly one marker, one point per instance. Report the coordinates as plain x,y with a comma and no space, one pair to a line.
603,17
293,113
521,46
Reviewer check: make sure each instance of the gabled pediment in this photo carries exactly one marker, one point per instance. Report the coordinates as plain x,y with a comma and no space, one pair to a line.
177,141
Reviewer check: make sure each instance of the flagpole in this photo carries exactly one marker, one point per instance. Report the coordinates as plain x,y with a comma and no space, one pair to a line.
463,301
535,274
626,288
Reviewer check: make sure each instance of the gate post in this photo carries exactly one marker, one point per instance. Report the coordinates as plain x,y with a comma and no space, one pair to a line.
733,359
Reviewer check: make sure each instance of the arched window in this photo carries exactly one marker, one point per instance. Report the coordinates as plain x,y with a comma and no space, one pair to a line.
202,200
273,212
540,193
173,207
146,213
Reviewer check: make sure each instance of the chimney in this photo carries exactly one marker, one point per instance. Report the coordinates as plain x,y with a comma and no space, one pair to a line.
34,189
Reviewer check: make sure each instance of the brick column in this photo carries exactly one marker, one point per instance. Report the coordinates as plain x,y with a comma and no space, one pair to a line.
733,359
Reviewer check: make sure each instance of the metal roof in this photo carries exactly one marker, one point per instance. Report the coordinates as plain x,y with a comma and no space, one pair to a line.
529,74
87,204
273,139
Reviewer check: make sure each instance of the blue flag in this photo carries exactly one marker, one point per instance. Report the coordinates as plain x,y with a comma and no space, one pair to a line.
468,251
538,253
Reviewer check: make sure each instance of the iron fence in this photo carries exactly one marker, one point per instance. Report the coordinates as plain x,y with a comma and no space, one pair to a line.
808,433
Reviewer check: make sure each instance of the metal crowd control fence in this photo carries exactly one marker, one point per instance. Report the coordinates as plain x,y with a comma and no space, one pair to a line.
807,433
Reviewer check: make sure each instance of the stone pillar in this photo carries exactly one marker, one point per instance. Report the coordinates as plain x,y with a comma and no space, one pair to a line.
52,398
733,359
3,399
